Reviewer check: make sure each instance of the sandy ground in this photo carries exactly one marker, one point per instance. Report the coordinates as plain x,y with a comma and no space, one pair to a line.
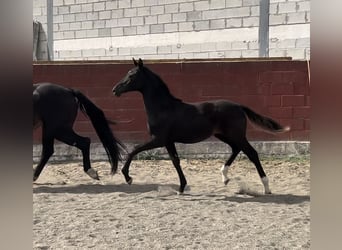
71,211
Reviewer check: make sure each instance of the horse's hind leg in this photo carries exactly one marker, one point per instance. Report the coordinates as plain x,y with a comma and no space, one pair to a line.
47,151
69,137
253,156
235,152
171,149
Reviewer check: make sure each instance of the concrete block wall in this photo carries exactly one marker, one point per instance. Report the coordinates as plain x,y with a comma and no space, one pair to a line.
174,29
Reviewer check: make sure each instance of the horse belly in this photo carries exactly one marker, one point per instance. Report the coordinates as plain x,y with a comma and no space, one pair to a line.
192,132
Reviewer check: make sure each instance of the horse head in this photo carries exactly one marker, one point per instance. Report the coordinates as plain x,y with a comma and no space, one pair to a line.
132,81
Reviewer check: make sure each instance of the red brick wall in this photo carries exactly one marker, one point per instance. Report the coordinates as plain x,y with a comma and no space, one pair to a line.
279,89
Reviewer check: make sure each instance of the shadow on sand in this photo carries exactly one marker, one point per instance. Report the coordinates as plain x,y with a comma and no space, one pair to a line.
145,188
98,188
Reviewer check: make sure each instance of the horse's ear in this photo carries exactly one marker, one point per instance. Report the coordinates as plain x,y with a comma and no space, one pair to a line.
135,62
140,63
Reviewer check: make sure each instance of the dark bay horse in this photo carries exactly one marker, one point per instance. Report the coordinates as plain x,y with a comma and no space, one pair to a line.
55,108
171,120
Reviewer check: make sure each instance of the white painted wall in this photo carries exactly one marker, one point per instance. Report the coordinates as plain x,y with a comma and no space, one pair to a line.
174,29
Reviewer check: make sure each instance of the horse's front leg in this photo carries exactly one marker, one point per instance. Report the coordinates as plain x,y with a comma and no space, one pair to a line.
154,143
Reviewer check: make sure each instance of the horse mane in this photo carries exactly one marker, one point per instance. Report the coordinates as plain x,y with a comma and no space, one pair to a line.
160,86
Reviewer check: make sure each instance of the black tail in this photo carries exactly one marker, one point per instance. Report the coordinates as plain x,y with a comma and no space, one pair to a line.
111,144
264,122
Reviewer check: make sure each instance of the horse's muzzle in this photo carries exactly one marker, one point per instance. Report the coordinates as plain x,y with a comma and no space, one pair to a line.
116,92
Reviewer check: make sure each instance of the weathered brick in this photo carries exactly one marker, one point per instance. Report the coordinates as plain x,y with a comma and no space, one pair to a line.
166,18
216,54
157,10
201,5
250,21
69,2
124,22
129,31
186,26
287,43
69,34
217,4
92,16
255,11
92,33
301,112
63,10
117,31
223,46
157,28
238,12
124,4
105,14
130,12
217,24
287,7
233,54
75,26
69,18
63,26
80,34
105,32
274,8
164,49
277,19
295,53
150,50
111,23
185,7
99,6
138,3
250,2
298,17
233,3
303,6
144,11
239,45
87,7
249,53
137,21
145,29
75,8
151,2
171,27
151,19
78,17
117,13
201,25
208,47
292,100
171,8
277,52
214,14
303,42
124,51
179,17
234,22
194,16
111,5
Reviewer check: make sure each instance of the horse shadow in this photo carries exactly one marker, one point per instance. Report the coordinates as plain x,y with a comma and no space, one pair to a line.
99,188
139,188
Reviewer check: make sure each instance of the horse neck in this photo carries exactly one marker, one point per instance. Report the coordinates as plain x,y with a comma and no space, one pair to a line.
157,99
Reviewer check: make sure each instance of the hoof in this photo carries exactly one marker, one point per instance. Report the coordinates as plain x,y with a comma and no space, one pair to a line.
269,192
226,182
130,180
93,174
